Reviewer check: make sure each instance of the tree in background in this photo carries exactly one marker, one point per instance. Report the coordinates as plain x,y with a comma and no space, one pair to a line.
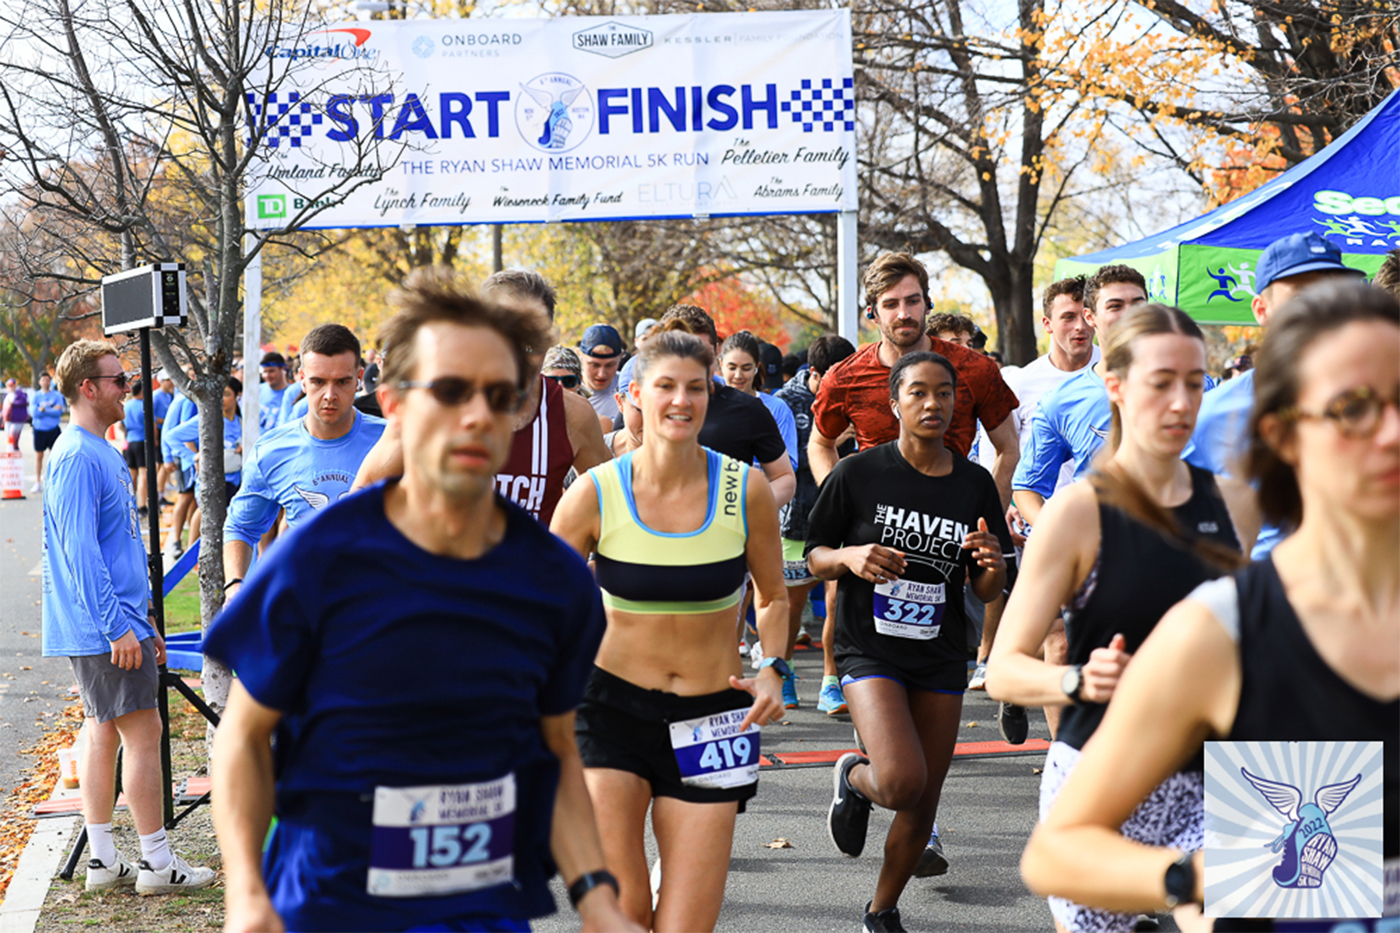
735,306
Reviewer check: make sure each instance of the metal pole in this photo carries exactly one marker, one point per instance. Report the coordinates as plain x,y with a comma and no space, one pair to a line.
497,247
155,562
252,346
847,278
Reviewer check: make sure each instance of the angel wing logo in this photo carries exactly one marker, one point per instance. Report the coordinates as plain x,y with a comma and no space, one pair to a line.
317,500
1306,841
554,113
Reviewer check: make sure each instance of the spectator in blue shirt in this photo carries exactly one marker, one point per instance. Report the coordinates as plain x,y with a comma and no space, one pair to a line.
134,430
270,393
305,465
96,613
186,435
181,409
49,407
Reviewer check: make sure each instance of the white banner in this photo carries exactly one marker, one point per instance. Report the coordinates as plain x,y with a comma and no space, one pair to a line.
581,118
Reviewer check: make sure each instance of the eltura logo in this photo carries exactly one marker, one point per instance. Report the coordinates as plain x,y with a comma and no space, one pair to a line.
272,206
1306,841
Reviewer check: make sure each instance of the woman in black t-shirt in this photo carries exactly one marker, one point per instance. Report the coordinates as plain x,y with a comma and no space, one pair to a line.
900,527
1303,646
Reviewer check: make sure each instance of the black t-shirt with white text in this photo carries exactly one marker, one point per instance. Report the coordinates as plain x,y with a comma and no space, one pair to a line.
916,623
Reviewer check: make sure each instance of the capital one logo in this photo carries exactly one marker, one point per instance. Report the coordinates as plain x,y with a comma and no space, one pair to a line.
1306,841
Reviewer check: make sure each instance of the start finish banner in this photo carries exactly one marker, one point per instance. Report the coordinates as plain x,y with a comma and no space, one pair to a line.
586,118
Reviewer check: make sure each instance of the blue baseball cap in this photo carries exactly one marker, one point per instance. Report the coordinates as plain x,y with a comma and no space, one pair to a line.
601,340
1296,254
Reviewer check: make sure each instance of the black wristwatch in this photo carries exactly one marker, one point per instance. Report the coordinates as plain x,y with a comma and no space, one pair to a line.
587,882
1181,881
1072,682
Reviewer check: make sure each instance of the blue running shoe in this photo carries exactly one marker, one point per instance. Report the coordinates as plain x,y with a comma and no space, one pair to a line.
790,691
932,861
831,701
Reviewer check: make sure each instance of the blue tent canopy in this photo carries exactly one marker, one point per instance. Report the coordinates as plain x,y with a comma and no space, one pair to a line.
1349,192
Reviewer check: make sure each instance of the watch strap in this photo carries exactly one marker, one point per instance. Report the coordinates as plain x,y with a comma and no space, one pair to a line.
1180,880
587,882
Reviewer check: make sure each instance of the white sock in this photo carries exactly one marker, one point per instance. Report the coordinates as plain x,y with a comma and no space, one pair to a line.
100,841
156,851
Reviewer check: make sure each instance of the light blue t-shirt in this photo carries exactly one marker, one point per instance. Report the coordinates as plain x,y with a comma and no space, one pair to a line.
1071,423
1221,440
180,409
161,401
290,398
188,430
95,581
135,420
300,408
292,470
787,425
47,409
270,405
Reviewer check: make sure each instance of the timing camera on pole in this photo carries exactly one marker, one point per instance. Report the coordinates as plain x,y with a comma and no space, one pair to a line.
145,297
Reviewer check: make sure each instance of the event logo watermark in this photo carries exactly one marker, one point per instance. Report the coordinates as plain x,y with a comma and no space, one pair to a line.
555,112
613,40
1271,853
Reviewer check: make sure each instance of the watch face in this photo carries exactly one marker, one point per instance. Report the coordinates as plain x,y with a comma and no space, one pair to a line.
1070,682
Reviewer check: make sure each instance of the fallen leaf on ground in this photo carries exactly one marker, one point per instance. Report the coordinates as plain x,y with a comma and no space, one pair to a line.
971,724
779,843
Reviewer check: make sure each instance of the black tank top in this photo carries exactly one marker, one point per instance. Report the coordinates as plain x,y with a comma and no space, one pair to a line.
1138,575
1288,693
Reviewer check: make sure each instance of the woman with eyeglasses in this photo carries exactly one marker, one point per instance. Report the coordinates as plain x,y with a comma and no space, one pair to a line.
666,721
1302,646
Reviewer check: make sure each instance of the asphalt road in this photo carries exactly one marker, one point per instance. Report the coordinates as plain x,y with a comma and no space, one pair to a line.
27,702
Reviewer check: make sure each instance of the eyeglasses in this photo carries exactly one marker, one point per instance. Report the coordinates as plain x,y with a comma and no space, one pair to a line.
120,379
1356,413
501,397
568,380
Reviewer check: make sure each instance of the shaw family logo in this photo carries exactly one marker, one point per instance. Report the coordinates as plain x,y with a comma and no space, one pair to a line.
555,113
1360,221
335,47
613,40
1270,854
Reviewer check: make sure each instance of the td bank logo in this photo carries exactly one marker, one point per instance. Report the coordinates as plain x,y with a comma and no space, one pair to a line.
272,206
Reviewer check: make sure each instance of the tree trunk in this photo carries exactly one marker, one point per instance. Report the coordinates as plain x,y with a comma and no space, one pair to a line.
213,503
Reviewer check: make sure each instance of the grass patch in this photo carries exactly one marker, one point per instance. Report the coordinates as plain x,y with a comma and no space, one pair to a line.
182,606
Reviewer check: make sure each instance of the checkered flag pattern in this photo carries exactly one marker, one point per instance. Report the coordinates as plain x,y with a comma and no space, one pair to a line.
830,107
290,120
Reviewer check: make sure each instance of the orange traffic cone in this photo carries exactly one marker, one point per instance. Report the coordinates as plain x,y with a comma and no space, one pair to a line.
11,472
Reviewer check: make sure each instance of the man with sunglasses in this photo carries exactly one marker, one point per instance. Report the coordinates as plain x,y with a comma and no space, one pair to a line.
562,365
303,466
420,662
1221,439
96,612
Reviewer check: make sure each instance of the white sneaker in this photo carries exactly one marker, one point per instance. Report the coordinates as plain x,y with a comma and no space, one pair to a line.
179,875
36,487
756,655
743,650
102,878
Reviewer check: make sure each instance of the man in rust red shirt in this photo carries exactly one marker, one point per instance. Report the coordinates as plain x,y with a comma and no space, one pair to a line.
856,392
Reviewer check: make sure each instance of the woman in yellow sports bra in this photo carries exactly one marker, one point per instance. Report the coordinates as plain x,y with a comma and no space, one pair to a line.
666,720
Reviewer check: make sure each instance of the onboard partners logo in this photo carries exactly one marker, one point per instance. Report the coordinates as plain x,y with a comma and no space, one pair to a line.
613,40
272,206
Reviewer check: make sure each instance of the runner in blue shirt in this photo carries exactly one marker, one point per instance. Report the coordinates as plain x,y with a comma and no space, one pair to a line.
49,406
181,409
271,390
185,436
420,661
308,464
134,430
1286,267
96,597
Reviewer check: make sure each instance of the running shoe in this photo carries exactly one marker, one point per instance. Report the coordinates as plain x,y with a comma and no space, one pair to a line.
102,878
832,701
849,816
756,655
932,862
886,921
179,875
979,677
790,691
1146,924
1015,726
803,639
743,650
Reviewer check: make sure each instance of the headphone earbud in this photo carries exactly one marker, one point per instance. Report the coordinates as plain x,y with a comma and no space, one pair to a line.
870,314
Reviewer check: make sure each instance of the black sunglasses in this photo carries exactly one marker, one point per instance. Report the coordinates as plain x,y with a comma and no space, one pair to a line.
568,380
501,397
120,379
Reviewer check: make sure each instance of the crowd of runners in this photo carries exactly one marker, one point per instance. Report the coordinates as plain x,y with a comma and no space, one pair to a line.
577,536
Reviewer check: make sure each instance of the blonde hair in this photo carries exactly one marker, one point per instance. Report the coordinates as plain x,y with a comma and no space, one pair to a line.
79,363
1145,320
